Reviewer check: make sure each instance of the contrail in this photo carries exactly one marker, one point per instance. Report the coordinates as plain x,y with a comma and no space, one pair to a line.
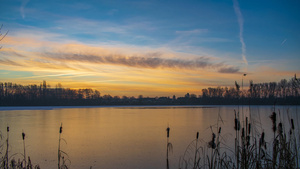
22,8
283,42
241,23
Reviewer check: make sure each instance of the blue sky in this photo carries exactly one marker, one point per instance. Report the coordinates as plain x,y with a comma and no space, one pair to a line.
212,42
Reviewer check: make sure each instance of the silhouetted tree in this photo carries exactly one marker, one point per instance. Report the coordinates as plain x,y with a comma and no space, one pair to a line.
283,92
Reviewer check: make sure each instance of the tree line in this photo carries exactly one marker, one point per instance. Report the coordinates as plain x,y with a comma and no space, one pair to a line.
282,92
281,89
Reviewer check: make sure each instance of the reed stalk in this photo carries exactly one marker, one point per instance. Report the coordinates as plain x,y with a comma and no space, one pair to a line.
59,151
23,137
169,146
196,151
7,145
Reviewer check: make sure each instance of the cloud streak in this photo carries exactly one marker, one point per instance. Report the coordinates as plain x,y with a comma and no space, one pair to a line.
22,8
74,56
241,25
149,60
132,61
283,42
229,70
9,62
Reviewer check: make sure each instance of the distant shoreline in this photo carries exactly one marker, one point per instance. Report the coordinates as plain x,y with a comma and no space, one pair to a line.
13,108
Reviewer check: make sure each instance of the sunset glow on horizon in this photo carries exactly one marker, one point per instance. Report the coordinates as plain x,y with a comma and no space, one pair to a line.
149,48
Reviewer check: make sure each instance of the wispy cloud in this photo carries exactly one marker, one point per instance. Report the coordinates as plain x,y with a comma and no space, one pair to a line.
70,58
9,62
192,32
229,70
150,60
22,8
241,25
283,42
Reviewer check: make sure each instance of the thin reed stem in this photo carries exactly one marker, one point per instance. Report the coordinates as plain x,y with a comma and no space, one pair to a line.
59,151
23,137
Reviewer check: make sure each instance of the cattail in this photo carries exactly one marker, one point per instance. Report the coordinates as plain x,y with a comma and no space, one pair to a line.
237,124
237,86
212,143
197,136
60,129
23,135
280,131
168,131
7,129
292,122
213,136
220,130
59,151
249,128
273,118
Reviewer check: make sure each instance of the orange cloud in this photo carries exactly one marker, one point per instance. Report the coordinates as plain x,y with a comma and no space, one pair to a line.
116,70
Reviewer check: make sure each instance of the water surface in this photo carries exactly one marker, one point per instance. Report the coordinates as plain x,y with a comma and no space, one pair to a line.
122,137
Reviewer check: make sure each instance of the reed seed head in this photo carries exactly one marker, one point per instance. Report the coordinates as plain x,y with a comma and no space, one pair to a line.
213,136
212,143
237,125
168,132
249,128
280,130
237,86
273,118
23,135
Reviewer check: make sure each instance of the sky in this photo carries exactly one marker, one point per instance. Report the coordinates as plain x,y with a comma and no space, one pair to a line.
150,48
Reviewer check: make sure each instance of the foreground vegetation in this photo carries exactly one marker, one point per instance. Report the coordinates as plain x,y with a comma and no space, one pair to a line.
8,161
250,151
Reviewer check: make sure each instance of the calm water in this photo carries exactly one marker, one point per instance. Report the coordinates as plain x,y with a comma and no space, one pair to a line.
122,137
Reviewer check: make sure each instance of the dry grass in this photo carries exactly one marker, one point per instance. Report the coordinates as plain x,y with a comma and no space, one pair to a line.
251,151
8,161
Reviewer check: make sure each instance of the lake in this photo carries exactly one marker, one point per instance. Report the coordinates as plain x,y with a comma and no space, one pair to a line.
124,137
